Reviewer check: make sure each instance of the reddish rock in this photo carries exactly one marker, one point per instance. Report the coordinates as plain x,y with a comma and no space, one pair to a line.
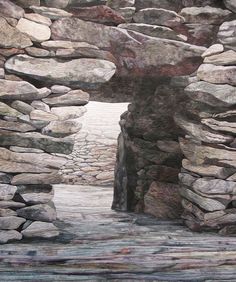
163,200
99,14
136,54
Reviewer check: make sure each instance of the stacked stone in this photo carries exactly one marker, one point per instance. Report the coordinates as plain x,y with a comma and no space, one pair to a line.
207,179
43,90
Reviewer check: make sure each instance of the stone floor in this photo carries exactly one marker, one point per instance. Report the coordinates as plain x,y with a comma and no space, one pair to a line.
98,244
93,159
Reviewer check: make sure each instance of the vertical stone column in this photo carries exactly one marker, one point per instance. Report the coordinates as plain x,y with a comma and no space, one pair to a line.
208,174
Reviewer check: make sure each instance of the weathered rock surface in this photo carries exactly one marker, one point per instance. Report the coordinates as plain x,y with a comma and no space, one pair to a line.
213,50
212,94
158,17
5,110
205,15
11,235
7,192
72,98
227,34
41,229
9,9
41,212
224,59
36,31
163,200
16,126
87,73
43,178
140,53
217,74
38,19
65,113
13,90
52,13
165,4
62,128
11,222
11,37
36,140
231,5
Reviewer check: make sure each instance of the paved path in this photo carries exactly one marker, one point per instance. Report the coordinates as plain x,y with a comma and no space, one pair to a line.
97,244
93,159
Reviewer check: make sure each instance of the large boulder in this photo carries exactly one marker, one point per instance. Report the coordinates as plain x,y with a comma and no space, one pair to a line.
136,54
85,73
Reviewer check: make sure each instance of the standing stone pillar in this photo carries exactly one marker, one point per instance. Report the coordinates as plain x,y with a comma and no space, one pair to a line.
208,177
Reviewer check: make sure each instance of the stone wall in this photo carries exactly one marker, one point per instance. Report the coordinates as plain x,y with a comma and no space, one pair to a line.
44,86
189,115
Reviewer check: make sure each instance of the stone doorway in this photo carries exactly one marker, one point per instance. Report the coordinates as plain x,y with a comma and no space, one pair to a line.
92,161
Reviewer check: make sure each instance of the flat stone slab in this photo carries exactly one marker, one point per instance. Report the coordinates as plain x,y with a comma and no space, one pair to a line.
85,73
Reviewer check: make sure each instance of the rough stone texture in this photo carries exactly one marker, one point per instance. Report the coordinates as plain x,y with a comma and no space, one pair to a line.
140,53
86,73
10,9
231,5
11,37
163,200
40,229
226,34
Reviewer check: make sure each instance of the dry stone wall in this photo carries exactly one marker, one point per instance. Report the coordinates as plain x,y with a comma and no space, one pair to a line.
190,117
44,86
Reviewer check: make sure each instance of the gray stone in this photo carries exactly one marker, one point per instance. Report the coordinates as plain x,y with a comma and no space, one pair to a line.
205,15
42,115
202,154
153,30
39,105
217,74
213,50
38,19
37,52
39,179
28,3
62,128
52,13
25,150
40,159
165,4
62,44
7,192
36,140
65,113
219,125
88,73
208,170
11,37
41,212
11,204
7,212
72,98
9,9
224,59
212,94
5,110
214,186
11,222
21,90
230,4
60,89
227,34
158,17
36,32
127,13
197,131
41,230
205,203
22,107
11,235
16,126
5,178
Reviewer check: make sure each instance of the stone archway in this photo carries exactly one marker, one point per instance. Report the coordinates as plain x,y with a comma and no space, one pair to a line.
77,50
